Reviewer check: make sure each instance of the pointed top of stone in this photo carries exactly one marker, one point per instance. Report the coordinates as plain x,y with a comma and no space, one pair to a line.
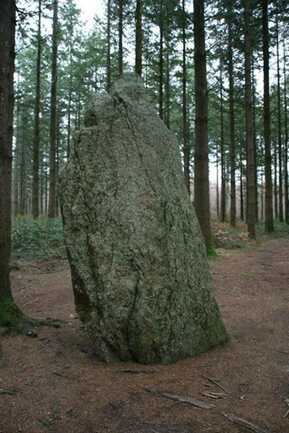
130,86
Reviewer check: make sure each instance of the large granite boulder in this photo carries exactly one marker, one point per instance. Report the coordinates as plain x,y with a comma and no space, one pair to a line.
139,270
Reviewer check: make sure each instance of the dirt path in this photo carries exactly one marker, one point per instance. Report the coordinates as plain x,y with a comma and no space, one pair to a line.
56,387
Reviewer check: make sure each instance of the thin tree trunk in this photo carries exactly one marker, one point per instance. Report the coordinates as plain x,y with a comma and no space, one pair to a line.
275,162
269,227
36,137
161,62
108,46
167,83
286,192
201,177
52,206
217,186
23,171
9,311
138,37
70,90
232,149
186,147
68,148
222,147
241,193
251,169
17,160
255,136
120,37
280,153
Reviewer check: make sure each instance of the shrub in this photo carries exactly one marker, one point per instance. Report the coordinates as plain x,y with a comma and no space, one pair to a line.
40,238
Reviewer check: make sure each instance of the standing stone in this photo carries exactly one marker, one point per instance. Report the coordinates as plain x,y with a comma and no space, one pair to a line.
140,275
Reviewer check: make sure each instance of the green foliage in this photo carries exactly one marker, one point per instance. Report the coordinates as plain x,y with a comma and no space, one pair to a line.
41,238
211,252
281,230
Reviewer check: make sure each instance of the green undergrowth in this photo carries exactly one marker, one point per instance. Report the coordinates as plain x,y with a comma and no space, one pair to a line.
43,238
37,239
211,252
227,237
281,230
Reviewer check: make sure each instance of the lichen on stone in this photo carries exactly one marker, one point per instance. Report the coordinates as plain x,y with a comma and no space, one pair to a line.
139,268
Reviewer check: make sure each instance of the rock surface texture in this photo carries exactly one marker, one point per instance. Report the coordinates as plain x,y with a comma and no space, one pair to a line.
139,270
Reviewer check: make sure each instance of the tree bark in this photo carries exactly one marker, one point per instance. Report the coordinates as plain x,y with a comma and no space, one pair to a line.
269,226
280,153
241,191
222,146
286,192
108,47
8,310
201,177
167,84
120,37
217,186
161,61
275,162
255,136
251,169
138,37
186,147
52,206
232,149
36,137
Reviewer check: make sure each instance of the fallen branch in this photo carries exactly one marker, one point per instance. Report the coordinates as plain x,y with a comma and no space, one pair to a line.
216,383
138,370
7,391
214,395
183,399
244,423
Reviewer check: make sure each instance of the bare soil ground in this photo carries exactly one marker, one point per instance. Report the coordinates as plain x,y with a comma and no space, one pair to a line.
51,384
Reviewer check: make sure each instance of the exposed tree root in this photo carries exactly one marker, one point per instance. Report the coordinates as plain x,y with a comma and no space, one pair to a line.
13,321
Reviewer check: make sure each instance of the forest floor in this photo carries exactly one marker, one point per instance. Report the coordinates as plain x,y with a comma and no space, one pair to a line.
51,384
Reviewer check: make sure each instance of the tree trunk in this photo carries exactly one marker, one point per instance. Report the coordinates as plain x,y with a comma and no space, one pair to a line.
52,206
23,170
222,146
17,160
9,313
138,37
280,153
250,148
120,37
68,148
217,186
232,149
201,177
36,137
275,162
186,147
286,192
161,62
167,85
269,227
255,136
108,47
70,89
241,190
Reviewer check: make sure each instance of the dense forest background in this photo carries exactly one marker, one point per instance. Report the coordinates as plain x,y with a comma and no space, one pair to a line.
61,64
